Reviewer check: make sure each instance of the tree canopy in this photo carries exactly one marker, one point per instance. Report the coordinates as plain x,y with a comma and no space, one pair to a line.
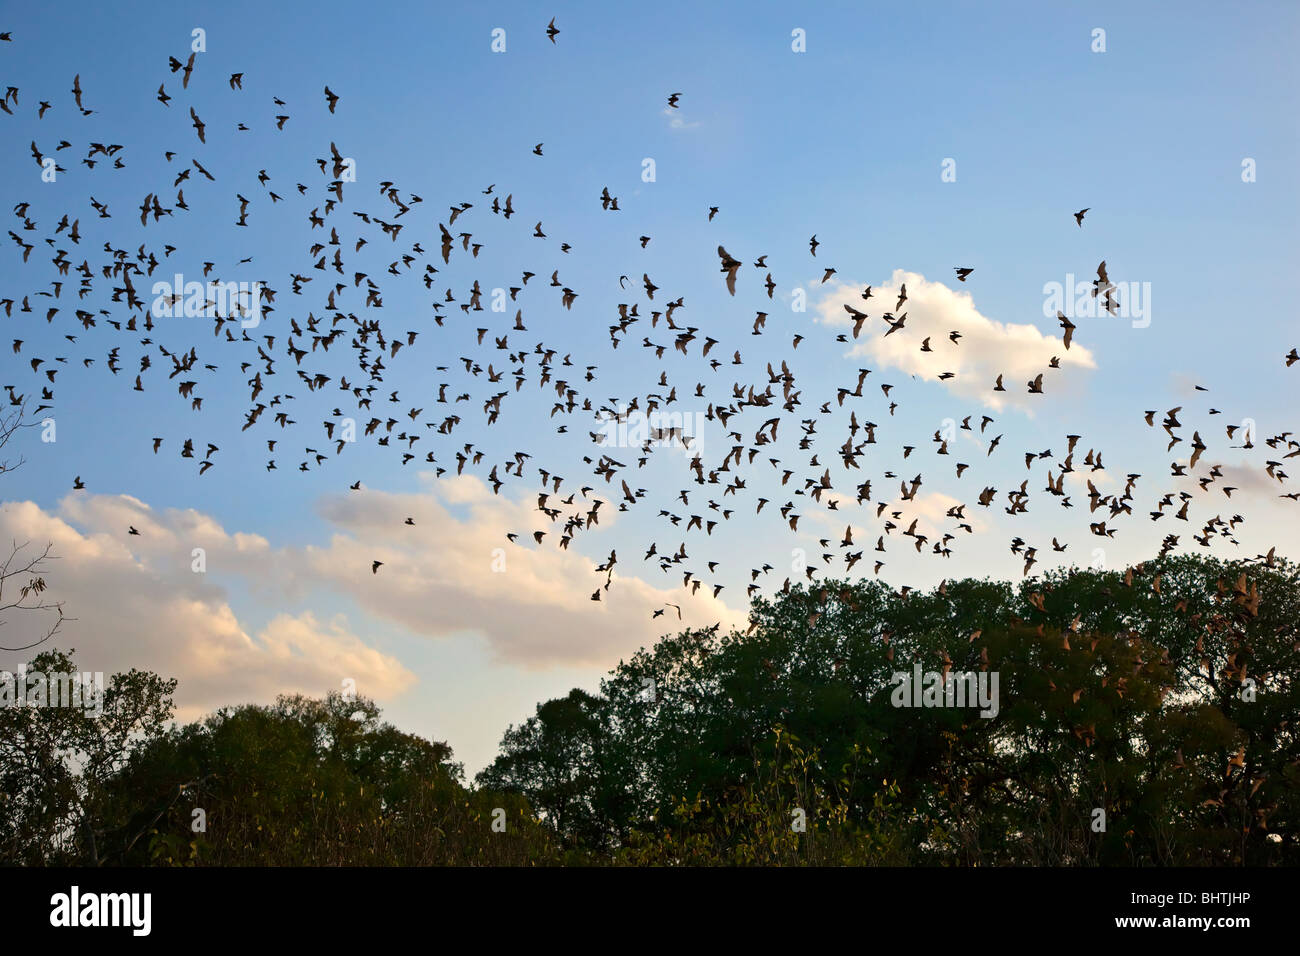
1141,717
1146,717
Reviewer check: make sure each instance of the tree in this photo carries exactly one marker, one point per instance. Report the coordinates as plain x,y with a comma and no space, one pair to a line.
57,763
21,572
558,760
24,573
1145,716
309,782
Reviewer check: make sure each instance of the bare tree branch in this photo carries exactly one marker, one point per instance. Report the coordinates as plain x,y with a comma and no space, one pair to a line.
10,422
29,598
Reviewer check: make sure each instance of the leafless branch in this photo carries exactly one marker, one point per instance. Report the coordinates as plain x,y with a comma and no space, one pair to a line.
15,569
10,422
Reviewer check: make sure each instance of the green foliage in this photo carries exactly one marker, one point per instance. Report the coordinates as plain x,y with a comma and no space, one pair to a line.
1162,697
311,783
787,812
1123,692
558,760
57,762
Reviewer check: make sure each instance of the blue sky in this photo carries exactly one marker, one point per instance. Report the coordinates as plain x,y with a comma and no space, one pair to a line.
845,140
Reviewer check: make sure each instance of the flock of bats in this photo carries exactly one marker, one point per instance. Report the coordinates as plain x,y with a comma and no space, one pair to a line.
335,308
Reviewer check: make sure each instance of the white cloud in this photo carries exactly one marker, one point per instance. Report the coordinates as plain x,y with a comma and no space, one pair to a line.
138,603
987,348
675,120
438,576
146,608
